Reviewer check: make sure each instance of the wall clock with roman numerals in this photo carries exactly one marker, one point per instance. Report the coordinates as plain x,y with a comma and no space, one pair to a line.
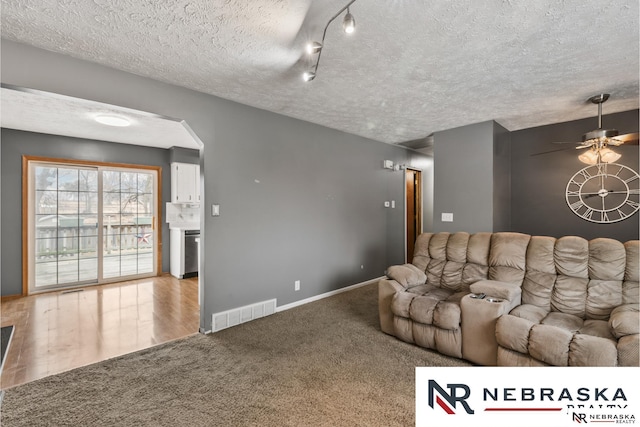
604,193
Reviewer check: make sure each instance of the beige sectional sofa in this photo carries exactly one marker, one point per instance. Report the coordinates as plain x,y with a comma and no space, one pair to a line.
511,299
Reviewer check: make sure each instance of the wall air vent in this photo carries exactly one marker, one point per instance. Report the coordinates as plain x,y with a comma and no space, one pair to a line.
227,319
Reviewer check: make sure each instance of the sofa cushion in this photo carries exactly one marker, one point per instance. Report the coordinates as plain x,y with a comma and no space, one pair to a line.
447,315
530,312
602,297
540,275
422,309
401,302
550,344
507,257
571,256
596,328
568,322
513,333
421,255
632,266
625,320
570,295
457,247
587,350
429,306
629,350
537,288
631,286
607,258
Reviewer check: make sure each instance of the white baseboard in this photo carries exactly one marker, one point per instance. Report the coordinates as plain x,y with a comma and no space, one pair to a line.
325,295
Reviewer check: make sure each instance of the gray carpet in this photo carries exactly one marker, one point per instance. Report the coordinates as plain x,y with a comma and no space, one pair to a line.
322,364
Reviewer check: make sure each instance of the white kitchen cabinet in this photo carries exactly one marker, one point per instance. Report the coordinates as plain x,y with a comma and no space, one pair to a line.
185,183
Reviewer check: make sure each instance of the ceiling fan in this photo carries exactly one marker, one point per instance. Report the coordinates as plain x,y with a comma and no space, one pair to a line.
605,137
597,140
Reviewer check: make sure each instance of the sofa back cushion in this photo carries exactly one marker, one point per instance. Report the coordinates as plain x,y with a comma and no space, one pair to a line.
631,273
607,261
507,257
540,274
571,256
453,261
477,266
585,278
421,255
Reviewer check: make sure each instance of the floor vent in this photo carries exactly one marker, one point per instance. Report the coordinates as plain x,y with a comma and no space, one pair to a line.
227,319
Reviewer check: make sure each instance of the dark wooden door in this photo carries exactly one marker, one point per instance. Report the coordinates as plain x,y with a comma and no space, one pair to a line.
413,192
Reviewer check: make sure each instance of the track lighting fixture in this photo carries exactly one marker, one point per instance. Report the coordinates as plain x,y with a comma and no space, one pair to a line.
348,25
307,76
313,48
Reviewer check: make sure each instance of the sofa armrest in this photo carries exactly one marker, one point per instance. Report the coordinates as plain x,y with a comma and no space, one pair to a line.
407,275
386,290
501,290
625,320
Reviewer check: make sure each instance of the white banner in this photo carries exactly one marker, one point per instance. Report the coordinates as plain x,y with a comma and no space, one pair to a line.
526,397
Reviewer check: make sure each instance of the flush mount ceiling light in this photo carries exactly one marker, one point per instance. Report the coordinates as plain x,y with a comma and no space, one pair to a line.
348,25
112,120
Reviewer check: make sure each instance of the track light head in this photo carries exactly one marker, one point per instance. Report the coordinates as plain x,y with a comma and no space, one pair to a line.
313,48
349,23
307,76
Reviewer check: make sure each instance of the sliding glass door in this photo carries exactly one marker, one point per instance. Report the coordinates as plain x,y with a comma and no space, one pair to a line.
90,224
127,218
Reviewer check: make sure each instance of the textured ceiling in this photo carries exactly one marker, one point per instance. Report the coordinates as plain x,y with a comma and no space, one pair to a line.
411,68
45,112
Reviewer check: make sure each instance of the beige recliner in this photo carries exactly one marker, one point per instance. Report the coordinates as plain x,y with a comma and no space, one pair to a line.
420,302
579,305
513,299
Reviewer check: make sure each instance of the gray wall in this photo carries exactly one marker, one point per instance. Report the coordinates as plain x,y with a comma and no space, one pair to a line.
501,178
184,155
17,143
539,181
298,201
464,178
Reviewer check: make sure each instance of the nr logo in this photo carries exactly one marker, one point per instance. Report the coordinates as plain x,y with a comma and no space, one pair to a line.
580,418
458,393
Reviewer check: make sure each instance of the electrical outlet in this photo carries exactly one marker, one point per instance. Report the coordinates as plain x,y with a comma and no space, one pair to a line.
296,285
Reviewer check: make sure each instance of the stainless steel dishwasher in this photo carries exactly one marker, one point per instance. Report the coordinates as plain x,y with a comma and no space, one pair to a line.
191,253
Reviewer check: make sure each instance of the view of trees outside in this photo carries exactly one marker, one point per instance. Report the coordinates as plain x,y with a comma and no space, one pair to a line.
67,221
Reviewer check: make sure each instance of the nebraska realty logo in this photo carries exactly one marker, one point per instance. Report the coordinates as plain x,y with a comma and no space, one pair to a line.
526,396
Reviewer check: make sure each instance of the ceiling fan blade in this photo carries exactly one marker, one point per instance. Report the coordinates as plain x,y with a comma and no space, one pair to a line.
629,138
566,142
555,151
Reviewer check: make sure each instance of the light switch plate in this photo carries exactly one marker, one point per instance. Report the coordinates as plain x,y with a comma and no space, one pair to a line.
447,217
215,210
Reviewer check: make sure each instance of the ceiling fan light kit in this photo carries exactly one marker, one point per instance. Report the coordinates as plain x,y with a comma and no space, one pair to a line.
604,155
314,47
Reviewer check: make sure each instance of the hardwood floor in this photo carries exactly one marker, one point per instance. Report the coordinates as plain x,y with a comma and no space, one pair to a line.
59,331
